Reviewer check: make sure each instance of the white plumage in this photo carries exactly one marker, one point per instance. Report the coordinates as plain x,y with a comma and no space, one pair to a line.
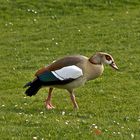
68,72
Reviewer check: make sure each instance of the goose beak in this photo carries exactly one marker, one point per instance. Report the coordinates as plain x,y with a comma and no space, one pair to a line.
113,65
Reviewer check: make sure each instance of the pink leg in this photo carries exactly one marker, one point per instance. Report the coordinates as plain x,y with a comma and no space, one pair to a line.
48,100
72,96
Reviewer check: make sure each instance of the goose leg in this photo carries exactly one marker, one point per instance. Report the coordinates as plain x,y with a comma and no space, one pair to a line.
72,96
48,104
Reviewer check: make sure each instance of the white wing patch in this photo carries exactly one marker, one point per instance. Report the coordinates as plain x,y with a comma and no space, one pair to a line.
68,72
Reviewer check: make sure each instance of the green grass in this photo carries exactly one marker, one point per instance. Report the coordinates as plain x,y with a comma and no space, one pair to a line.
34,33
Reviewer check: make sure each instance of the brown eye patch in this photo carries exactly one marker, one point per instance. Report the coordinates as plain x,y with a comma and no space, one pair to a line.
108,57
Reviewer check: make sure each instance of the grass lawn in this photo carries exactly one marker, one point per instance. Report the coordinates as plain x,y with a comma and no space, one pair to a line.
36,32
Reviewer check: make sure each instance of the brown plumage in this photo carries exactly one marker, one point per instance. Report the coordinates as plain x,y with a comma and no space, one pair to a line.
69,73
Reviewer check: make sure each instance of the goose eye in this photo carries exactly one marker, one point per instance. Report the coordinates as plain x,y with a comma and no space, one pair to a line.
108,57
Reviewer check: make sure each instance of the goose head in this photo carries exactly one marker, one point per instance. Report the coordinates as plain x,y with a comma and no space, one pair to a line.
103,58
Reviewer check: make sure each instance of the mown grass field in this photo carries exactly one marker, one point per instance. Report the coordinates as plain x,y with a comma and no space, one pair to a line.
34,33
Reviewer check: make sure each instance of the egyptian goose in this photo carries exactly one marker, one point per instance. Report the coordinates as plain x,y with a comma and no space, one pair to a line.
69,73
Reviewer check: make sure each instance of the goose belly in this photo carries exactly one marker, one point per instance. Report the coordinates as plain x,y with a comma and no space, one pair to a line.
72,85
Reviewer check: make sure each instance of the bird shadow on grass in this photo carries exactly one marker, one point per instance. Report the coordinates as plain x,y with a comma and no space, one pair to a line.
79,114
25,109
